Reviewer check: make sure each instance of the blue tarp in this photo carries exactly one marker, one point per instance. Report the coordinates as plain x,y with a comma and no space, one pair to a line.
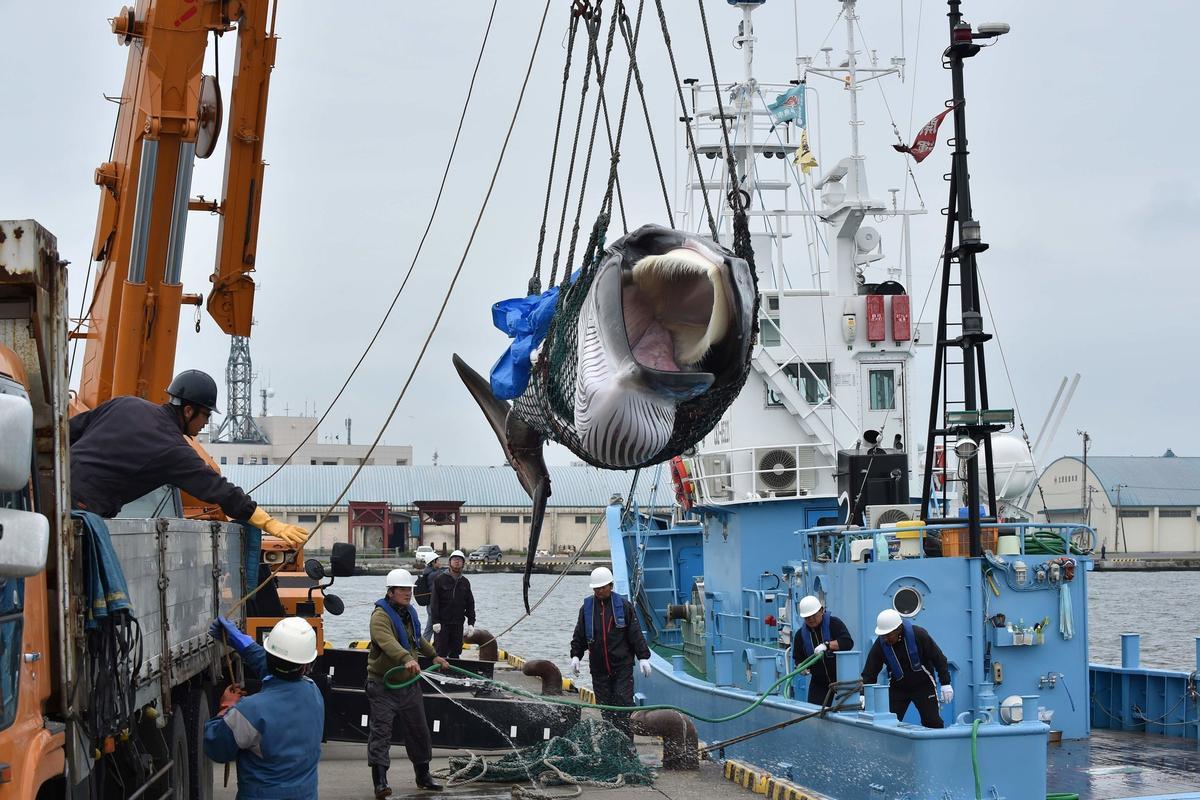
103,579
526,320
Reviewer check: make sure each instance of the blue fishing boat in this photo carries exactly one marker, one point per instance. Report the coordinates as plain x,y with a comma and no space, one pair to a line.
810,486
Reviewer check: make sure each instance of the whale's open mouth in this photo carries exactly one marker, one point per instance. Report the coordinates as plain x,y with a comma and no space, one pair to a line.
676,305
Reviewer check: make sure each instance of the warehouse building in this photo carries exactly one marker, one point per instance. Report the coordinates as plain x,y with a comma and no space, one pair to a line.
1135,503
399,507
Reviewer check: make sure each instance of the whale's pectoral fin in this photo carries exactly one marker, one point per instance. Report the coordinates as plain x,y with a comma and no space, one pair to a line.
522,445
541,494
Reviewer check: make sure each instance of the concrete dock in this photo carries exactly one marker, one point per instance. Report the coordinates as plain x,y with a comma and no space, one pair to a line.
344,774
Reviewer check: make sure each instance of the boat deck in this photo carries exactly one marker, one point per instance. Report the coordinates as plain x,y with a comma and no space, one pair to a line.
1111,765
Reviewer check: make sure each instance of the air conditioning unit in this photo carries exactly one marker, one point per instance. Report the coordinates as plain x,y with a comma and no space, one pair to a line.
885,514
784,471
714,472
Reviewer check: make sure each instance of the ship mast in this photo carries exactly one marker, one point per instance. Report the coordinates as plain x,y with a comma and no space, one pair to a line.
972,422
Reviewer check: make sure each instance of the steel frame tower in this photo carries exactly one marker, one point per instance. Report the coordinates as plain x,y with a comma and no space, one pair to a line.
239,424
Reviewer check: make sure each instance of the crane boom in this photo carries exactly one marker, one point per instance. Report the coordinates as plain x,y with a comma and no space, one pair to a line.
166,106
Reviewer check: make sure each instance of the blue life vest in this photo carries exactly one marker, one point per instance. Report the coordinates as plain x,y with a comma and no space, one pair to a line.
398,623
806,637
589,607
910,644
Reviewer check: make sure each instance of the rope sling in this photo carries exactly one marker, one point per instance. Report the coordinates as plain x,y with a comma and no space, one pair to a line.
547,404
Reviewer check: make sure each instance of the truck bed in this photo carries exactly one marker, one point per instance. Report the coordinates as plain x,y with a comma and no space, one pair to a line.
180,575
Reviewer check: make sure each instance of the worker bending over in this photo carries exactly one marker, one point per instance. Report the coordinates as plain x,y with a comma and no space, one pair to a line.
908,651
821,633
451,604
275,734
396,642
609,632
127,447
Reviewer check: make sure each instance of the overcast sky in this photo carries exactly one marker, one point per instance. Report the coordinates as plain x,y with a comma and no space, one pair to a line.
1084,171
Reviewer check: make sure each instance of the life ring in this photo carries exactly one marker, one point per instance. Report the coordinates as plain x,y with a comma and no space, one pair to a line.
684,487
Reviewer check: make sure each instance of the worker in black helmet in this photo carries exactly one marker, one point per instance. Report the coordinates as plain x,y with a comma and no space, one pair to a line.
127,447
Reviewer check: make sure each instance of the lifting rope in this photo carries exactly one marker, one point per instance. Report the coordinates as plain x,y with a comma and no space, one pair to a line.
441,309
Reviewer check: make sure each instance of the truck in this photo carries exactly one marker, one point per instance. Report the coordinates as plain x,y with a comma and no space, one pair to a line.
91,710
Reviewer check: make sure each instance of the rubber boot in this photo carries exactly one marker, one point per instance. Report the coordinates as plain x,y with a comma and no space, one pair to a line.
424,779
379,781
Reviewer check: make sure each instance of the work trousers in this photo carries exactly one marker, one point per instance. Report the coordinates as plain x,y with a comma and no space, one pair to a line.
387,704
817,690
615,689
449,641
923,697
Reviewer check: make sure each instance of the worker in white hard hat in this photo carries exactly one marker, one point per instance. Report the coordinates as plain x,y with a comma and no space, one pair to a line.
451,608
396,642
821,633
909,652
609,632
274,734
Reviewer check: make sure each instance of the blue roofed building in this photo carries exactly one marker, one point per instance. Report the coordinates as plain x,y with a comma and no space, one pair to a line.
1136,503
495,509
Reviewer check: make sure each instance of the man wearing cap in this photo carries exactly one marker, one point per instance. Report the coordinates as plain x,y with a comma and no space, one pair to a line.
396,642
127,447
451,604
908,651
424,587
821,633
275,734
608,630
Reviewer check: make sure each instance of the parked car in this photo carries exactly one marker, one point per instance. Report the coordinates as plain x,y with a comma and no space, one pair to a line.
420,554
486,553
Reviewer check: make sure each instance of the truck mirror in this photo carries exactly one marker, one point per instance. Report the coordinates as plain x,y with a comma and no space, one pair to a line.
24,539
341,561
334,604
16,432
313,569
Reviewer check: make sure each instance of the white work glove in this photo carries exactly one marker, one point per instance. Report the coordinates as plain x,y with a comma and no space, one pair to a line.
469,630
644,666
947,694
437,627
820,649
574,665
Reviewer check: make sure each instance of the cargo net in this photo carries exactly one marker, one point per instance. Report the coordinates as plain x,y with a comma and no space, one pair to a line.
548,403
591,753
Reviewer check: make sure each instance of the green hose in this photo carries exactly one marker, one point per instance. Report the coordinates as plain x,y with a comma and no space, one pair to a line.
562,701
975,768
1046,543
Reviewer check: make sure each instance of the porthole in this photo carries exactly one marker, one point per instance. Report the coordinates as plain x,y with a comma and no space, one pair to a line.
907,601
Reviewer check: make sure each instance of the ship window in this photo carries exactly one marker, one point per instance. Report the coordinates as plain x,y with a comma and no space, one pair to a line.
882,389
768,331
907,601
812,382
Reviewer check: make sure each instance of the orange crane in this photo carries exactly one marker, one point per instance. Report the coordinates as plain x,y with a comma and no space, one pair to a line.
171,114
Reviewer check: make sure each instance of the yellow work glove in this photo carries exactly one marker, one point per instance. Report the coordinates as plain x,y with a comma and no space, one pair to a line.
292,534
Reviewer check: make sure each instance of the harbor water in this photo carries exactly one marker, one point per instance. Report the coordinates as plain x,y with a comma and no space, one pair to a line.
1158,605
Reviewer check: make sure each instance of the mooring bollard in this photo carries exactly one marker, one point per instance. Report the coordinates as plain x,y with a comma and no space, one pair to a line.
488,649
549,673
680,744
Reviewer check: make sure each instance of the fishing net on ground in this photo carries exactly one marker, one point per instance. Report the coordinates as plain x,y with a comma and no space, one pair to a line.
590,753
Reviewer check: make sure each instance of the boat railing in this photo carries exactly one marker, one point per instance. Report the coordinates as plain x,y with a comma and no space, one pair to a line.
833,542
711,474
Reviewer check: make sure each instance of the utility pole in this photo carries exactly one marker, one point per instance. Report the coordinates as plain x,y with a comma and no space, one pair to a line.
1083,481
1119,525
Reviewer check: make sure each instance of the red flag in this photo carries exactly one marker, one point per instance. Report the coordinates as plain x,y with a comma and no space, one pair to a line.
926,138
